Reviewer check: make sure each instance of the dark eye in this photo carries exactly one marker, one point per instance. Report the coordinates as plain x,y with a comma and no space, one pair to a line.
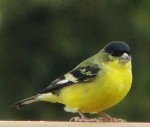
117,54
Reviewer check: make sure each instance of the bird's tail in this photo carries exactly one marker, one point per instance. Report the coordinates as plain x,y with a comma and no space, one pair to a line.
25,102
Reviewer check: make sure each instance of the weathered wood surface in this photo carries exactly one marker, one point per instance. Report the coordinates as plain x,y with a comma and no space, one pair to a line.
67,124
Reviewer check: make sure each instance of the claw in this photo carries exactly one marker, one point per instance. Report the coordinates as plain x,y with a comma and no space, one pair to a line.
104,118
107,118
83,118
78,119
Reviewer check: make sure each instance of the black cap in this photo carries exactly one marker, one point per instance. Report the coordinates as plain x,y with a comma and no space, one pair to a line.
117,48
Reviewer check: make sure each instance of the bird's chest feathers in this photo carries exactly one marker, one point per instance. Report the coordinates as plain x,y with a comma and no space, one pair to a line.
118,81
106,90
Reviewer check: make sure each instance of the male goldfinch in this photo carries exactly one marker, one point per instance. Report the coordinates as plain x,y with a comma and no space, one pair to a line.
95,85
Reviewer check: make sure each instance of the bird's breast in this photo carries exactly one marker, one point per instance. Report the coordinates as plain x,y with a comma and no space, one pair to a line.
106,90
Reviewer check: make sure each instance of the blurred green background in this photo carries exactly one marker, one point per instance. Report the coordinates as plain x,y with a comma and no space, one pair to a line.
42,39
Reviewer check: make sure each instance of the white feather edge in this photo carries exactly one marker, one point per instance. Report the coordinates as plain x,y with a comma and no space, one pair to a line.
68,77
73,110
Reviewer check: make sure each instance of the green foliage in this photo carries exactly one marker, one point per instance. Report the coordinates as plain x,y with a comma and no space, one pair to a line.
42,39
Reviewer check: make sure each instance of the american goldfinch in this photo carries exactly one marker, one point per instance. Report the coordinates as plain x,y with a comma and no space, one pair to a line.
93,86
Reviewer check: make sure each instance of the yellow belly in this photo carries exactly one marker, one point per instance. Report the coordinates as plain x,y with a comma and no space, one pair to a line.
107,90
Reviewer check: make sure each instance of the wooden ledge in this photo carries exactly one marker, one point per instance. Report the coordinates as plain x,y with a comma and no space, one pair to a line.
67,124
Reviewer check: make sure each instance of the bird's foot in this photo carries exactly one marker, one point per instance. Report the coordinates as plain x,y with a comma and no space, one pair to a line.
107,118
104,118
83,118
79,119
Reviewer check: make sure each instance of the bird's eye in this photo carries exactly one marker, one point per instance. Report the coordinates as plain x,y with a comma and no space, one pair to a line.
119,53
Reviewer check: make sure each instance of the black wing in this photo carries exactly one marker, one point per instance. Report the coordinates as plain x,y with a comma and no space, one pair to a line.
80,74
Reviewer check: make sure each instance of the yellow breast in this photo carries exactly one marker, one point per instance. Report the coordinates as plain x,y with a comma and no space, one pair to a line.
110,87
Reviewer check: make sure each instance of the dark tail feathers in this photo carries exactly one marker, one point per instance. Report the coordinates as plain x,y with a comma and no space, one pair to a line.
25,102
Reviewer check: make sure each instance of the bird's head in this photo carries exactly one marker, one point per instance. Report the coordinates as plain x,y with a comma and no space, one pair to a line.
117,51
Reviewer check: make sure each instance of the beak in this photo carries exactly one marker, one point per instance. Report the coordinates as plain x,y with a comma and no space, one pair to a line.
125,58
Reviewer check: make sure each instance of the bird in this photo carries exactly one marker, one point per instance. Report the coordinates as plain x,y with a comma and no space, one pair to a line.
96,84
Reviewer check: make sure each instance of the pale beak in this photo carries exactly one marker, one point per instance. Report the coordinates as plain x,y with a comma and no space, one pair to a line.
125,58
